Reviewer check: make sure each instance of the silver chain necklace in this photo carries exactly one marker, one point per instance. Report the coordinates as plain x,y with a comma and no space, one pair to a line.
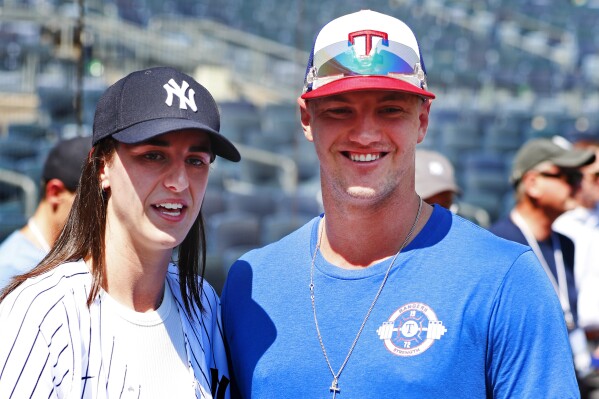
334,388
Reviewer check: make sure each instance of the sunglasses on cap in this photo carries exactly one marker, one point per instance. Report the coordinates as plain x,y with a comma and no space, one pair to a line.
386,58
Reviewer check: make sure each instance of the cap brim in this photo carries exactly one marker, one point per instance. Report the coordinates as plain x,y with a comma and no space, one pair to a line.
574,159
152,128
362,83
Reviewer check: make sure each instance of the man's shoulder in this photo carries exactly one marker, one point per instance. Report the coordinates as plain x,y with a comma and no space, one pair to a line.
288,244
467,233
17,255
13,240
492,244
505,228
275,257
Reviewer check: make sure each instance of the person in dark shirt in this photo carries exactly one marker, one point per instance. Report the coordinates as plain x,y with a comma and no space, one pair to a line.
546,175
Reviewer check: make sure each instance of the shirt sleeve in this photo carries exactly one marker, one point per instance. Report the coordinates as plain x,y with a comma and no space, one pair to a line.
529,353
27,362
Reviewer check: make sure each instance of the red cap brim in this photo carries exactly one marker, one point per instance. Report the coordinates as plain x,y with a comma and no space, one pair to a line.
363,83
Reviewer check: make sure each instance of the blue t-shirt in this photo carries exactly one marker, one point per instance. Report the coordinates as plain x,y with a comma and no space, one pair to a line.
464,314
17,255
505,228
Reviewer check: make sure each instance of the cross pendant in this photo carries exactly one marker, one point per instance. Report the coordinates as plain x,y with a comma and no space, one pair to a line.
334,388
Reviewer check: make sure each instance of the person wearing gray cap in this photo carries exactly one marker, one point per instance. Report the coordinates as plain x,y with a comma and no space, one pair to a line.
436,184
25,247
546,175
581,224
108,312
435,178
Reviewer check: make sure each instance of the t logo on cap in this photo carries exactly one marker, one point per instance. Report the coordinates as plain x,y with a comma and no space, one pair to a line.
368,36
173,88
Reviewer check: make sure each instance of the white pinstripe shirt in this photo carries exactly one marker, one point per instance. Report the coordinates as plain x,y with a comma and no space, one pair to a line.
53,346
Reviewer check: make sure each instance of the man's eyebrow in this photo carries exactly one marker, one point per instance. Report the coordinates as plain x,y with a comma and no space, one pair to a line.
336,97
393,96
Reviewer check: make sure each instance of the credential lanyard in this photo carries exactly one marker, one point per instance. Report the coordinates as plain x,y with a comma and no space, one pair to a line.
38,235
560,285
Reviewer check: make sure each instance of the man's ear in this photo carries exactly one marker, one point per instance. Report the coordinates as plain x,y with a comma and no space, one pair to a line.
305,118
425,109
529,182
53,191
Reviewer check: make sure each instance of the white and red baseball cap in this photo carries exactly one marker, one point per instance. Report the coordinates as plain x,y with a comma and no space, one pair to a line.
365,50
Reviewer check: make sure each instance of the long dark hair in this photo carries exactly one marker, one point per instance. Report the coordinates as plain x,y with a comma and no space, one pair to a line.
83,237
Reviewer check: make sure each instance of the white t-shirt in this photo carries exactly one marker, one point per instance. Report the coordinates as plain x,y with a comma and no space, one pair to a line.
154,345
579,226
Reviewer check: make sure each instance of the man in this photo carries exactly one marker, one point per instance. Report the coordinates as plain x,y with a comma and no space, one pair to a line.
436,184
25,247
384,295
581,225
546,176
435,179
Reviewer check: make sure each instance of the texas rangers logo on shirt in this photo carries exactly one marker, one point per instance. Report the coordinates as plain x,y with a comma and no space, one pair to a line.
411,330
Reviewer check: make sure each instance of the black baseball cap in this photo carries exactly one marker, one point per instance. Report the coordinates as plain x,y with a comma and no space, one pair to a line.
65,161
154,101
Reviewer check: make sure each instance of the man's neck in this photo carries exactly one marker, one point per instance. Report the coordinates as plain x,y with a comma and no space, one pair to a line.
536,219
39,229
354,240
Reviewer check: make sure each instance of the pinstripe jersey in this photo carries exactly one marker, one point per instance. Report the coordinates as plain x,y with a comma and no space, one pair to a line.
53,346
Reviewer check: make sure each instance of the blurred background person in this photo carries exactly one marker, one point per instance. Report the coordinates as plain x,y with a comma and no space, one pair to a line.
25,247
581,225
546,176
587,210
436,183
435,178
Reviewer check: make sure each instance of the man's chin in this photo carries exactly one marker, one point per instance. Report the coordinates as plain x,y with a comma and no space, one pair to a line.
361,192
570,204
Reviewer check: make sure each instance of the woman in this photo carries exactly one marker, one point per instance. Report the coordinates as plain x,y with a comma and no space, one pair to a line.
106,313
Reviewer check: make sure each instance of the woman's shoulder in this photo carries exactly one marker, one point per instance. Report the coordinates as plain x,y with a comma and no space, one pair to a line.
209,296
41,293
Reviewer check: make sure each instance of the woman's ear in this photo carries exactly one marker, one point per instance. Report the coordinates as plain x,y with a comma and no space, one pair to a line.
104,177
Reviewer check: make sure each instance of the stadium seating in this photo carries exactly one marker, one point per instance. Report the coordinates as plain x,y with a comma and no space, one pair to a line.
492,95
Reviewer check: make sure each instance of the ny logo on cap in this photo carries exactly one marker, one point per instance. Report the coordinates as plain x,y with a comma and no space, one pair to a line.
172,88
366,38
